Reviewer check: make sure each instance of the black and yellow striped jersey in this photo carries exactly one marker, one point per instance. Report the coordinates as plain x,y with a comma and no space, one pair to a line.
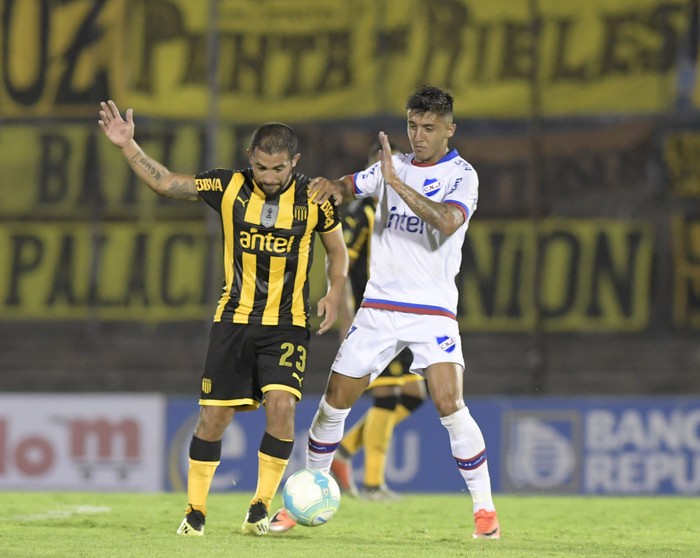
268,246
358,222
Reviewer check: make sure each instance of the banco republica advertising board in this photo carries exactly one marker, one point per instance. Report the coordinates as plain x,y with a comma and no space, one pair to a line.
132,442
535,445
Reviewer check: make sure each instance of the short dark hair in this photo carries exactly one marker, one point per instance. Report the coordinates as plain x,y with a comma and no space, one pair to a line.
431,99
275,137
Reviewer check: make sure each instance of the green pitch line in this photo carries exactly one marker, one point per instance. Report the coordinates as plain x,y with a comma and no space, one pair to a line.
108,525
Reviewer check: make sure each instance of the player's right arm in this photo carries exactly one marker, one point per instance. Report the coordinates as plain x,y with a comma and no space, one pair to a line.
156,176
445,217
322,189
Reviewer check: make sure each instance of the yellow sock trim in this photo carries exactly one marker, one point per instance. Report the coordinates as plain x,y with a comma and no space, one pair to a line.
199,477
378,430
270,472
353,439
400,413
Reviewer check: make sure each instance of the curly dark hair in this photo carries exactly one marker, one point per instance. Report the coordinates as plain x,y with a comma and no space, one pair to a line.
431,99
275,137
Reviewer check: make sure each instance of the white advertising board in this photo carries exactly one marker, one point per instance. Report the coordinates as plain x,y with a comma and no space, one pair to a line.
81,442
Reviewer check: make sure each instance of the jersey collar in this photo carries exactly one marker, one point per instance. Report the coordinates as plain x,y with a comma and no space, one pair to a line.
451,154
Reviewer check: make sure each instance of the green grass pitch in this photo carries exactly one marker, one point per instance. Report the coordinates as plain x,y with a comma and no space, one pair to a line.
101,525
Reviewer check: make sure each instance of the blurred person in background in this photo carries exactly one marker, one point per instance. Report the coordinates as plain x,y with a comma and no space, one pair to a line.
258,344
425,200
396,393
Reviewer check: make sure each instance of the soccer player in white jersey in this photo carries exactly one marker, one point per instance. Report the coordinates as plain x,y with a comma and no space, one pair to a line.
424,203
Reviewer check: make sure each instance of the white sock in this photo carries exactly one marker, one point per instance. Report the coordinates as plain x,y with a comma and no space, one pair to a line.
469,451
325,435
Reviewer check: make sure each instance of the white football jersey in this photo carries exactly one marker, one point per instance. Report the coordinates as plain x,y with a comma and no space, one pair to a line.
412,265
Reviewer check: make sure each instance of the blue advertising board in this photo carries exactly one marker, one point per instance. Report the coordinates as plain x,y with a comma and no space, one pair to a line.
600,445
535,445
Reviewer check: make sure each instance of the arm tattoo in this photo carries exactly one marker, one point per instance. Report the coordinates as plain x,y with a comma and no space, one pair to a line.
433,213
159,179
150,167
179,189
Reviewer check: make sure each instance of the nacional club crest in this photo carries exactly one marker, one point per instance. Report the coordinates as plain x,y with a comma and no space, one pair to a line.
446,343
431,186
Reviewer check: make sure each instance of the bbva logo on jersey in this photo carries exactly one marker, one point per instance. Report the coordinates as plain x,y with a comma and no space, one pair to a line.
431,186
446,343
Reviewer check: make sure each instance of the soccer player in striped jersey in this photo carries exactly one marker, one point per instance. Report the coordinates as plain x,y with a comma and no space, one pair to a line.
425,201
258,344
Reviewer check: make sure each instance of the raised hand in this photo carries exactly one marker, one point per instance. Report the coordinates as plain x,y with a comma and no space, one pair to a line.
119,131
387,162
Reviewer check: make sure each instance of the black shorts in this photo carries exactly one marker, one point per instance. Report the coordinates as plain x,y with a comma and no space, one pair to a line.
244,361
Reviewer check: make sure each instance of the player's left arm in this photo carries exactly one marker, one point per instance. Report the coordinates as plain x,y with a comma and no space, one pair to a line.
336,274
445,217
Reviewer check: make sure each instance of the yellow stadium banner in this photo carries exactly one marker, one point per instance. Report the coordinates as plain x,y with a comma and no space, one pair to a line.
58,58
589,275
73,171
311,60
278,60
574,58
112,271
686,270
681,151
148,272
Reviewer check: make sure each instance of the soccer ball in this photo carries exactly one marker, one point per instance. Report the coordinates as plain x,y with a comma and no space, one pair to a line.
311,497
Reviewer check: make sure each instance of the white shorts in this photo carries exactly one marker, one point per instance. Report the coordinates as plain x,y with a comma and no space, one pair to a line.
377,336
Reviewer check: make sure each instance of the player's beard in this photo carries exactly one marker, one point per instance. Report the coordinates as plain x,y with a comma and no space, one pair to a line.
271,190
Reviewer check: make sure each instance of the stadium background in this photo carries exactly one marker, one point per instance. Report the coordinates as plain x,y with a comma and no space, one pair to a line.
581,273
